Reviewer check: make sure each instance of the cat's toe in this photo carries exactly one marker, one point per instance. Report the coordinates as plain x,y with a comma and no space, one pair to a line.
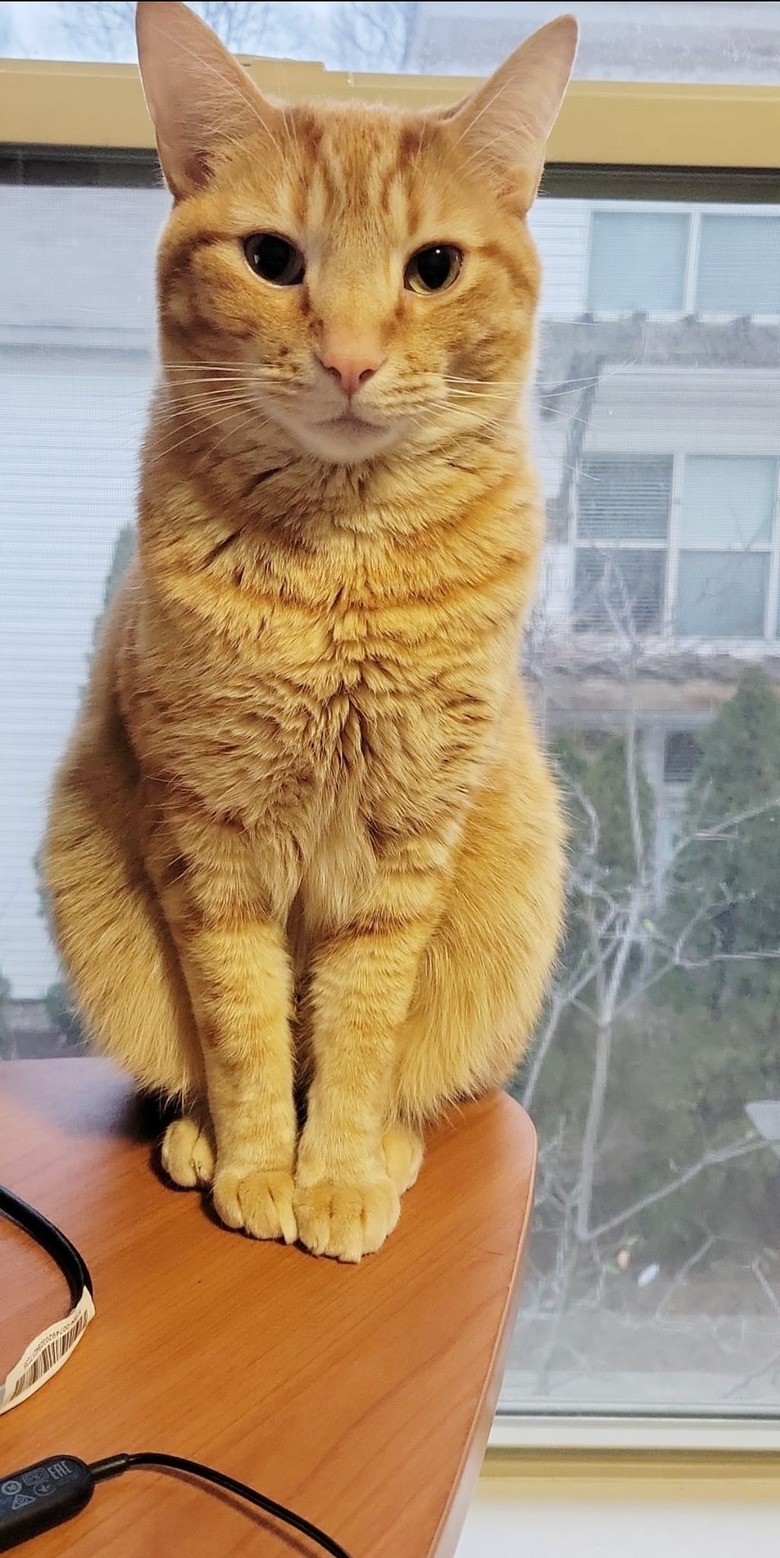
257,1200
403,1155
187,1153
346,1221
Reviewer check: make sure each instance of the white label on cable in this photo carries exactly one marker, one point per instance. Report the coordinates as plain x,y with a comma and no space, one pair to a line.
46,1354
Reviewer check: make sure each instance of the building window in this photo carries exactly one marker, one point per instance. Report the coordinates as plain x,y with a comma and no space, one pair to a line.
637,262
682,755
739,265
721,594
720,545
618,589
726,527
728,503
624,500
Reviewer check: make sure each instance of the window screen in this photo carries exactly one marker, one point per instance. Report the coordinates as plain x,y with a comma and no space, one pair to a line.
653,1280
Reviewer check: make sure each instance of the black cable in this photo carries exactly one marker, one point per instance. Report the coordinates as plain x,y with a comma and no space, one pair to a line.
41,1496
38,1498
72,1265
114,1465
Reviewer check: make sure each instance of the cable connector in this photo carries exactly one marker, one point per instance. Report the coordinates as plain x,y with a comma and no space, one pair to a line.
41,1496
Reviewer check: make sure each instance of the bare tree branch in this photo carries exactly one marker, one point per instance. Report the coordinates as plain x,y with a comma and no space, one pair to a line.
709,1160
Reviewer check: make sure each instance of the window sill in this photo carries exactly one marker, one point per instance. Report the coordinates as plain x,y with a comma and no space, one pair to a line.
559,1432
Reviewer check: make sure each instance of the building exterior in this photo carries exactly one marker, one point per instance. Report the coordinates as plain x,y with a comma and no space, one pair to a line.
658,429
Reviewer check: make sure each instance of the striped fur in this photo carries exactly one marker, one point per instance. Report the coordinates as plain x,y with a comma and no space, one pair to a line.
303,847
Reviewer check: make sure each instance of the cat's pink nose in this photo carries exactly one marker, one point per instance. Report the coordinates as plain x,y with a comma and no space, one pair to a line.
351,366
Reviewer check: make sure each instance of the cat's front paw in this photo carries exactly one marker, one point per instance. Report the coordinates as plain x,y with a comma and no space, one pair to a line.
346,1221
258,1200
402,1151
188,1153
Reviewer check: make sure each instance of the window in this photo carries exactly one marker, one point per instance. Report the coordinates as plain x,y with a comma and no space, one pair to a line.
660,443
451,37
720,596
624,499
708,575
637,263
618,589
739,265
653,1283
682,755
726,503
662,262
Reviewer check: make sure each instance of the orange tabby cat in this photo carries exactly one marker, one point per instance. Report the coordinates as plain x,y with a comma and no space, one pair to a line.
303,835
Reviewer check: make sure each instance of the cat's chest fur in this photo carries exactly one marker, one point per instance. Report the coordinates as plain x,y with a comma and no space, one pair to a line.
302,698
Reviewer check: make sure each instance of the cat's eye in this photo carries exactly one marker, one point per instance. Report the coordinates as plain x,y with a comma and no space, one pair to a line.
275,259
434,268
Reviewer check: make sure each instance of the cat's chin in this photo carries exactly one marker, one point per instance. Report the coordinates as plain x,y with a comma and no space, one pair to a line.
346,440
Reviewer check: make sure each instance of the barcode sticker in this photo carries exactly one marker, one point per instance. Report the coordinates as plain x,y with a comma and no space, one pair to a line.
46,1354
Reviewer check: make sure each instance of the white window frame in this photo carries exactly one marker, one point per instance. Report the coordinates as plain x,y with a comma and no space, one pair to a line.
694,214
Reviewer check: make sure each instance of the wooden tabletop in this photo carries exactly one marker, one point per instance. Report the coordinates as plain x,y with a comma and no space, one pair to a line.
361,1396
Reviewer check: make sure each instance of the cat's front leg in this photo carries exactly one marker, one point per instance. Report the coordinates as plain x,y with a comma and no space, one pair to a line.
244,1002
212,885
349,1173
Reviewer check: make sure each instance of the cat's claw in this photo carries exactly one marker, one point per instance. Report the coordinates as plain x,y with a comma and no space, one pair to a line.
257,1200
187,1153
346,1221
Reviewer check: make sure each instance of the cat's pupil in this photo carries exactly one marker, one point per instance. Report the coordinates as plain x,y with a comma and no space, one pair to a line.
275,259
434,267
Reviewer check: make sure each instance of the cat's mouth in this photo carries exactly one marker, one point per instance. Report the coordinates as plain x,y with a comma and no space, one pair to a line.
349,422
348,437
345,439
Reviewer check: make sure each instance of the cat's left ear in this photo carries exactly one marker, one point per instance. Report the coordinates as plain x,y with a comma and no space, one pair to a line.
505,125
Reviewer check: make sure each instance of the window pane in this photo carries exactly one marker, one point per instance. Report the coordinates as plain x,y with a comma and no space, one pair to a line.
645,1287
76,370
656,1304
637,262
722,594
682,755
624,499
739,265
728,502
618,589
663,41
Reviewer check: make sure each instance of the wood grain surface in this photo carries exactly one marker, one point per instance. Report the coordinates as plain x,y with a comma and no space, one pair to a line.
360,1396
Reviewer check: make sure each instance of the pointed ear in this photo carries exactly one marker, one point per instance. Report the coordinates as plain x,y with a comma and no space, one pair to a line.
198,96
506,124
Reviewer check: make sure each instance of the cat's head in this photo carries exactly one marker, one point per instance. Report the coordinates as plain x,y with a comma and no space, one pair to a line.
358,277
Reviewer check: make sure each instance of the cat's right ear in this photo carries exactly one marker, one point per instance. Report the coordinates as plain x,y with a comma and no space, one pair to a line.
504,126
198,96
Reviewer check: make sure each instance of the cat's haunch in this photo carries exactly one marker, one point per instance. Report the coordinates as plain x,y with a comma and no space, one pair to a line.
304,848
